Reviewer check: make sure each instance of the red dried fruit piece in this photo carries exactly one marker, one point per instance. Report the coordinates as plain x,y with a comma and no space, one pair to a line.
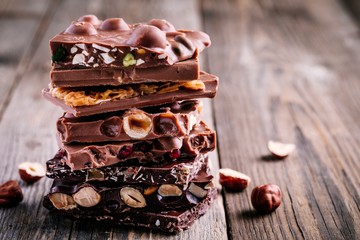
124,152
175,153
233,180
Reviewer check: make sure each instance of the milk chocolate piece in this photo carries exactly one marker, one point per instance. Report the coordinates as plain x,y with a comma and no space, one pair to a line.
113,211
161,150
113,43
181,71
168,120
177,172
210,82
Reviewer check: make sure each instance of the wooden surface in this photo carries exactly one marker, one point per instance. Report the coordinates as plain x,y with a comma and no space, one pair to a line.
289,71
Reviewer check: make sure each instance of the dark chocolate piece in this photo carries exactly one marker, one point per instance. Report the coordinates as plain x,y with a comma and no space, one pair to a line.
169,120
181,71
168,221
210,82
113,43
161,150
178,172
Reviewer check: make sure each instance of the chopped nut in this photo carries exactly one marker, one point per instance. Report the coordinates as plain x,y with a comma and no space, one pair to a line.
137,124
31,172
94,174
132,197
107,58
233,180
62,201
197,191
266,198
129,60
141,51
169,190
10,194
87,197
280,150
79,59
150,190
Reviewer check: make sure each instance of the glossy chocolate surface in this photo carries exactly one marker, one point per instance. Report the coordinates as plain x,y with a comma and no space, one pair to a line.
114,43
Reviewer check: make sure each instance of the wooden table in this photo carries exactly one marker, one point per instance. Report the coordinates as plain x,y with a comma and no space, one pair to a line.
289,71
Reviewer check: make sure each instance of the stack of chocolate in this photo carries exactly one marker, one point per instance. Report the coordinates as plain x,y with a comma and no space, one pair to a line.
132,144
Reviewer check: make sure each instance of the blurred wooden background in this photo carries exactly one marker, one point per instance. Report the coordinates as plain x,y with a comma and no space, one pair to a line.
289,71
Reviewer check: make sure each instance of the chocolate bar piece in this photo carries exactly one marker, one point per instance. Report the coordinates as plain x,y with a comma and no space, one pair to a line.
177,172
181,71
128,206
91,43
168,120
161,150
85,102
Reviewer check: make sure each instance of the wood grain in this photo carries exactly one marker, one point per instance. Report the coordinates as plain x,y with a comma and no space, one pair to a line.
289,72
27,128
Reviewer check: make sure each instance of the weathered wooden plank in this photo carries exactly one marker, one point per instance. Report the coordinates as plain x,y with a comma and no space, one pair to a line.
289,72
27,133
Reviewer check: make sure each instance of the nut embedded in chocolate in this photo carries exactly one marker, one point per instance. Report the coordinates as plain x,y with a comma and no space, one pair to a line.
87,197
169,190
197,191
162,25
266,198
112,24
10,194
137,124
81,28
90,18
147,36
165,123
111,127
132,197
62,201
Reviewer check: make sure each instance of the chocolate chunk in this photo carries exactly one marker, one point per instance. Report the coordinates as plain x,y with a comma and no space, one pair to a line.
210,83
90,43
187,70
80,156
113,209
177,172
99,128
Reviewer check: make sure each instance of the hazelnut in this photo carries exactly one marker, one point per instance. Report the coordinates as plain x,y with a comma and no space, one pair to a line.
169,190
162,25
111,24
10,194
87,197
233,180
31,172
81,28
137,124
165,123
90,18
280,150
132,197
266,198
147,36
197,191
62,201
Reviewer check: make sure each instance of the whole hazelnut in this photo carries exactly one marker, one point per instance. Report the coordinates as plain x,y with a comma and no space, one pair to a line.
266,198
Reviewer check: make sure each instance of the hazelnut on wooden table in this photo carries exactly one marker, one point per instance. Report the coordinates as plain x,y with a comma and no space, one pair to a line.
31,172
10,194
266,198
233,180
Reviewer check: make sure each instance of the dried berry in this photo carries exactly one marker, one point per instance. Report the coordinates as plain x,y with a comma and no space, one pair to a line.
124,152
266,198
175,153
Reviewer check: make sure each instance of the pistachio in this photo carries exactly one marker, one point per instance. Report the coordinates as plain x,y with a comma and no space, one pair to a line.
129,60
